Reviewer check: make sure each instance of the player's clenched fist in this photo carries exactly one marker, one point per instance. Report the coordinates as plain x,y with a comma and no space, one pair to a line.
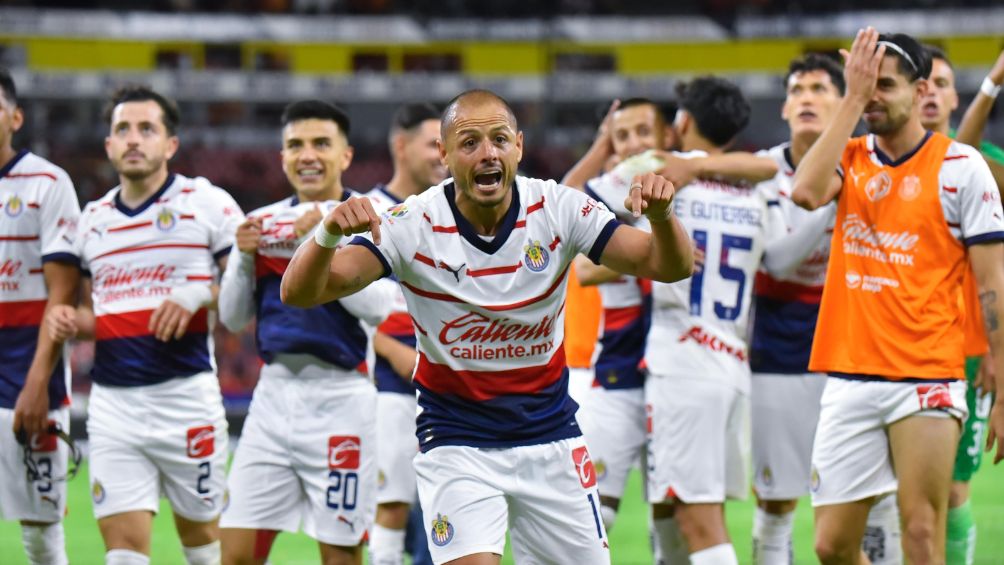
61,321
248,235
355,215
652,195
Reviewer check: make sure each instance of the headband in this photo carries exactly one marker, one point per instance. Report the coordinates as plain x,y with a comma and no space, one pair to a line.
901,52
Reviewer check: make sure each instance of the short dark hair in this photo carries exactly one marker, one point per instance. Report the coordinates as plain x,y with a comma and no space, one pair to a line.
914,62
451,106
717,106
641,101
7,84
316,110
935,52
410,116
817,62
142,93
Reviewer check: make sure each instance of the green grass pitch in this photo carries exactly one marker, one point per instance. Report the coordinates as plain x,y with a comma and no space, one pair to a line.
628,540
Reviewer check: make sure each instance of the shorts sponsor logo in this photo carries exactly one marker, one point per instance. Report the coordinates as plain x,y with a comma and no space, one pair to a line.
878,186
166,220
706,340
45,443
442,531
814,481
201,442
584,467
909,188
97,492
343,452
648,420
934,396
535,256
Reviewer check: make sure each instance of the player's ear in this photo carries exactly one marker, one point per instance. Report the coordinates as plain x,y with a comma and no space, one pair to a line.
921,87
397,144
519,145
172,146
17,119
441,144
347,157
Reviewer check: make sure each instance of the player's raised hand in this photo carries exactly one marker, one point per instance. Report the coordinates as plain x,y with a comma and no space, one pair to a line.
652,195
677,170
308,221
861,64
355,215
997,71
248,235
607,124
61,322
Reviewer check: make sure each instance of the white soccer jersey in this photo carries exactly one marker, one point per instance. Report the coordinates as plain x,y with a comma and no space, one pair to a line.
135,257
331,332
490,311
38,222
731,225
787,305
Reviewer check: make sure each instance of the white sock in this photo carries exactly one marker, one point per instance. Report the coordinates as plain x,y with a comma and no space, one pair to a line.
126,557
208,554
386,546
882,543
44,545
772,538
670,547
609,516
721,554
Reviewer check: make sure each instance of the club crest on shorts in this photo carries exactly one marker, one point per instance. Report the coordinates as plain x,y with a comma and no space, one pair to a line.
201,442
584,467
343,452
97,492
814,481
442,531
934,396
535,256
166,220
14,206
601,468
767,476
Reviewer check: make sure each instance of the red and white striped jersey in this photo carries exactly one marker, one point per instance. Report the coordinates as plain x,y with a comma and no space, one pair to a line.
38,220
135,258
489,311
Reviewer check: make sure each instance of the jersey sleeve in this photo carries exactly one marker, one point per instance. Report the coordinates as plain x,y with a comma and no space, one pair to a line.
224,215
396,223
980,216
59,219
82,233
584,223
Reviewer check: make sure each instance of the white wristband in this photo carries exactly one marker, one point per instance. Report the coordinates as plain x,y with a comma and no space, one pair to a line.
324,238
990,88
191,297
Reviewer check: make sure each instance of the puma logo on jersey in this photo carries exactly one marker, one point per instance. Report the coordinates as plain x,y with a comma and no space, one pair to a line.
452,271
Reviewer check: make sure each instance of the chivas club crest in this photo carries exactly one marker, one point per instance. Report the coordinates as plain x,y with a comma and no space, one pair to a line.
535,256
442,531
909,188
14,206
166,220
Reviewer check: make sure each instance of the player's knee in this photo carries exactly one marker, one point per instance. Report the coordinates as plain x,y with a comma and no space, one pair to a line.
919,534
832,551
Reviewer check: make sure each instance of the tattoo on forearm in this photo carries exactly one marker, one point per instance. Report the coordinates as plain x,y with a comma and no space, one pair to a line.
988,300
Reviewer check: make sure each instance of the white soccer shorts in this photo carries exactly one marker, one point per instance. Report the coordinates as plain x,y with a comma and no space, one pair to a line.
37,501
785,413
613,423
546,494
307,455
168,438
396,447
850,455
698,440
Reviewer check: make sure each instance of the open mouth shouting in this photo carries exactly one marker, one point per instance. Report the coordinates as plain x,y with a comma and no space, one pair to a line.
488,181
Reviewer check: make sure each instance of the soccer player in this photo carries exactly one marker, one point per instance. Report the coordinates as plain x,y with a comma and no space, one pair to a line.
910,205
784,395
696,392
40,270
936,111
149,249
483,259
414,133
319,468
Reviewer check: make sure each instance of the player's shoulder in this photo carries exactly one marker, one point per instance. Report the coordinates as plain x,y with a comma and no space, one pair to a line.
273,208
198,187
959,153
429,206
32,165
380,198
